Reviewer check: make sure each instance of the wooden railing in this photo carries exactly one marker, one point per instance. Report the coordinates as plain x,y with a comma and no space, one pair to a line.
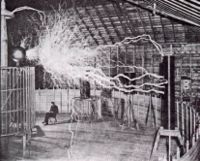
187,121
187,129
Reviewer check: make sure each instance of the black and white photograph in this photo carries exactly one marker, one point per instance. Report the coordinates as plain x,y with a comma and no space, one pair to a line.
100,80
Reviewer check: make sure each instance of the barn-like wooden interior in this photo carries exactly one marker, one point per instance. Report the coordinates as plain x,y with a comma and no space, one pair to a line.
134,119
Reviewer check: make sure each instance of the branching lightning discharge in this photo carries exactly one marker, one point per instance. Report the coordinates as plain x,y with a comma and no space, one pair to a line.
65,53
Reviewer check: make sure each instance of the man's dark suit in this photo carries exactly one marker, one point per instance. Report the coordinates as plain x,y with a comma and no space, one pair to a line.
53,112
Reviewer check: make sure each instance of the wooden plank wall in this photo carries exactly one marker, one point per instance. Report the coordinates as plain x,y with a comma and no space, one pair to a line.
63,98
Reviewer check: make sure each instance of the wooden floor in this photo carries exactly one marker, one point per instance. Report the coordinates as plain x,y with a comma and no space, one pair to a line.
193,154
104,140
93,141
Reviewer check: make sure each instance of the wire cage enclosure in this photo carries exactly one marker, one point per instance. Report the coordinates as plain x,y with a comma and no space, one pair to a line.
17,100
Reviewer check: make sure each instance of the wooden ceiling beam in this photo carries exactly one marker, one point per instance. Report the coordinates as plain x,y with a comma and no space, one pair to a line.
127,18
83,22
102,22
94,24
119,17
139,15
152,27
161,22
173,30
108,15
162,13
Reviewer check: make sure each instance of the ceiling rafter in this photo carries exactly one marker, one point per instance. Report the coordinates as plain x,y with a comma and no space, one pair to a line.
83,22
184,9
163,13
119,17
172,22
166,6
152,27
130,20
163,30
125,15
94,24
138,12
114,27
102,22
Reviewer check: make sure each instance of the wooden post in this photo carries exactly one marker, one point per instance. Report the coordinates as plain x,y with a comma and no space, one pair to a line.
194,124
4,36
187,146
182,119
169,104
198,125
177,114
142,55
188,122
24,145
138,106
156,112
191,123
178,154
61,100
193,139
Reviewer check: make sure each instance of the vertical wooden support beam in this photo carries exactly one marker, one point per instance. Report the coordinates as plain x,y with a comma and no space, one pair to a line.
194,123
1,104
163,30
19,100
173,29
193,120
187,122
177,114
169,103
187,146
12,101
109,62
4,37
152,27
156,111
198,126
142,57
61,100
6,103
28,102
26,109
118,52
68,100
24,145
138,104
178,153
182,119
23,99
191,123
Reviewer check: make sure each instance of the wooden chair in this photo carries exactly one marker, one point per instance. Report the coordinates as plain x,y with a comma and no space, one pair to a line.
53,119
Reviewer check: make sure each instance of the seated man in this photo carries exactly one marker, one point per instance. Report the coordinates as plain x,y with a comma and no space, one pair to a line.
52,113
